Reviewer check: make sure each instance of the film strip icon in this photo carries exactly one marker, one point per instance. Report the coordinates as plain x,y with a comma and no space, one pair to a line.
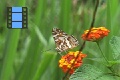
17,17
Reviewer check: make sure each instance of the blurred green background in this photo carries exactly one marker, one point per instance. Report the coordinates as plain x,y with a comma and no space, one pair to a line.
23,52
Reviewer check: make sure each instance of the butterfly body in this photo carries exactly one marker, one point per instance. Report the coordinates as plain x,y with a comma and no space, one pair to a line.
63,41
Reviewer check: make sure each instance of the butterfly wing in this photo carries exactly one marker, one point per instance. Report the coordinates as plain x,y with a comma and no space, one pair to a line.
63,41
73,42
59,37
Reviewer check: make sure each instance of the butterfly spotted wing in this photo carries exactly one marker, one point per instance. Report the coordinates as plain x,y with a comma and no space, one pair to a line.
63,41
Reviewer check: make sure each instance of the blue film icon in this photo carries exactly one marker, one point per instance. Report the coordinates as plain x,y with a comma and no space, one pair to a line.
17,17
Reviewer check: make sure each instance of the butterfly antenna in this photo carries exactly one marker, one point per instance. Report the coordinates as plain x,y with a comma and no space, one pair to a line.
46,50
52,49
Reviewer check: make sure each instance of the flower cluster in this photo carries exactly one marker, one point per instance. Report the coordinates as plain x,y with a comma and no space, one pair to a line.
95,34
73,60
70,62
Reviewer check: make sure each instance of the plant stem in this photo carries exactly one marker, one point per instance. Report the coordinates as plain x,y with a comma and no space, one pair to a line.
102,52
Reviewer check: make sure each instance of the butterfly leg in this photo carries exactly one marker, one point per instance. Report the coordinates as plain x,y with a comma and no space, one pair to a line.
59,53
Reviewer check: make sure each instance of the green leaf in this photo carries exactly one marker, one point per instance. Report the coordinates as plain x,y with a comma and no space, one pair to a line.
100,60
89,72
43,65
115,44
114,62
40,36
9,53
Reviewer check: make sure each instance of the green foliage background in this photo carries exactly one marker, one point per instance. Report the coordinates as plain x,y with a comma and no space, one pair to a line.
23,52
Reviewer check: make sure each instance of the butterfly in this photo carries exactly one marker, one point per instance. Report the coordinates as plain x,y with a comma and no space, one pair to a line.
63,41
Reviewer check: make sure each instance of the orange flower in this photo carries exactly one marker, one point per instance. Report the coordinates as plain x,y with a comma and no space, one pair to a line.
66,62
95,34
